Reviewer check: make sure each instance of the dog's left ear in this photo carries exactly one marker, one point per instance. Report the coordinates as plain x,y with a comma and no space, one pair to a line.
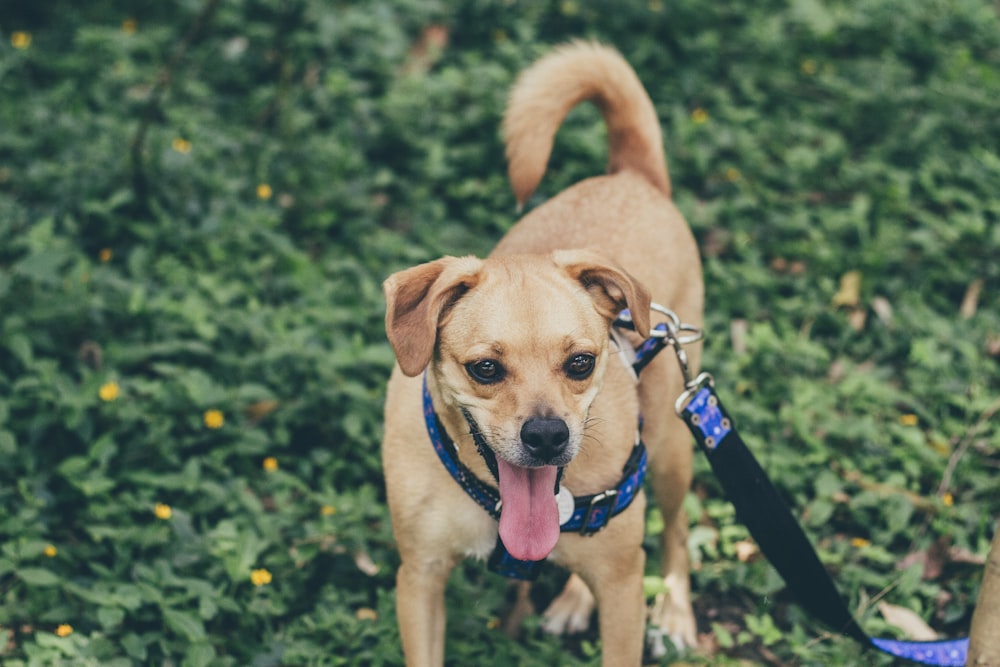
417,302
611,286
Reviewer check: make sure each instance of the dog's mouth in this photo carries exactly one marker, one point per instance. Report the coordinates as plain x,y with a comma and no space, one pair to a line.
529,515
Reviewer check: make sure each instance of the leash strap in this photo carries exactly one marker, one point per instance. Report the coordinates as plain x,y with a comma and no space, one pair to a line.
779,536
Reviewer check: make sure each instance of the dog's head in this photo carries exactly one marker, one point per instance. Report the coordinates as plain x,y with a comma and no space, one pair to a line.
519,345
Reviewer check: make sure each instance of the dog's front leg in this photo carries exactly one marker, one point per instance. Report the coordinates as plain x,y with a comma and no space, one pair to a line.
621,608
420,610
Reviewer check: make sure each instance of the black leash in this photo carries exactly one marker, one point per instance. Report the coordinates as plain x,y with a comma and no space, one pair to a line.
780,537
760,507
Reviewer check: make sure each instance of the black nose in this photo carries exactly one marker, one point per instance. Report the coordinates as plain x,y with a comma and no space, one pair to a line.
545,438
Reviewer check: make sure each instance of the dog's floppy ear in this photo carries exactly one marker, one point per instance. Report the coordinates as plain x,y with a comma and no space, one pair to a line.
611,286
417,299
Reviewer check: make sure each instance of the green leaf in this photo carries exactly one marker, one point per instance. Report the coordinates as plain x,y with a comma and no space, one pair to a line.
37,576
199,655
723,636
110,617
20,346
134,646
184,623
45,266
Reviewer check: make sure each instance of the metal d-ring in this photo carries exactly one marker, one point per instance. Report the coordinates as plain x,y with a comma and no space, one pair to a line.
675,328
690,389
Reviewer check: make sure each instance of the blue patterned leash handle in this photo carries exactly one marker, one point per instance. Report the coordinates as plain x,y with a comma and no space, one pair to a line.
777,533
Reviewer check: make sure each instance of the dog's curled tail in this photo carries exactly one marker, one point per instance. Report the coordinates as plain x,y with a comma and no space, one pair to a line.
570,74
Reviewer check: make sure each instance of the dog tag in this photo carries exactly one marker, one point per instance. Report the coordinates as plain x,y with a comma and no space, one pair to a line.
566,504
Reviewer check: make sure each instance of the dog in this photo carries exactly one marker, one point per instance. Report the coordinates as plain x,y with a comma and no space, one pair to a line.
515,356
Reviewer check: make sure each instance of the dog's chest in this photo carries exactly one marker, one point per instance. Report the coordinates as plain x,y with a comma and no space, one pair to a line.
478,532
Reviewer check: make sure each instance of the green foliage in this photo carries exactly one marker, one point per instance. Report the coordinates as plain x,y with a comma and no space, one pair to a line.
199,200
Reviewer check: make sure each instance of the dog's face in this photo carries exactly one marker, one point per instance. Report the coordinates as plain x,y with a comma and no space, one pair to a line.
519,346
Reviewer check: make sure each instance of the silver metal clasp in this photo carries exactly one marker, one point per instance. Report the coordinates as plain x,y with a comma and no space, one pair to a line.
690,389
678,334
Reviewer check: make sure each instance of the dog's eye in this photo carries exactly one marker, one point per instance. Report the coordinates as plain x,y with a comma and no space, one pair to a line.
579,366
485,371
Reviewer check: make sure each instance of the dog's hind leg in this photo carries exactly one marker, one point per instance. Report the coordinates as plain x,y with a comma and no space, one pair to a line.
570,612
671,454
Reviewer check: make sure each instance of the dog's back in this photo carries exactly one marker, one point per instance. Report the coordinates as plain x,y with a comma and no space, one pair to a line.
577,72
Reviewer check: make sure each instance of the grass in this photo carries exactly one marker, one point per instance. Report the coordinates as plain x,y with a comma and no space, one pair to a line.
199,200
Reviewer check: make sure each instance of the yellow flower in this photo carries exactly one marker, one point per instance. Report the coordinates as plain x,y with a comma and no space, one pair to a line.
948,499
214,418
808,66
109,391
128,26
909,420
260,577
64,630
105,255
264,191
699,116
270,464
20,39
860,543
733,174
182,146
327,510
162,511
50,551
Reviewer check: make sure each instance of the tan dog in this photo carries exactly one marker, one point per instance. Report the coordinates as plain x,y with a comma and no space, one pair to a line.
516,348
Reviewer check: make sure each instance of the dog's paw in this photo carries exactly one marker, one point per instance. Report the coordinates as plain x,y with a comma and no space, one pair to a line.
570,612
673,615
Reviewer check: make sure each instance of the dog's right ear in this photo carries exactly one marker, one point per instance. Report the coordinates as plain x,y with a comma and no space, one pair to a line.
418,300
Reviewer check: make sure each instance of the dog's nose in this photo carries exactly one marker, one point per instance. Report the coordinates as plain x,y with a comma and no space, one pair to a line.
545,438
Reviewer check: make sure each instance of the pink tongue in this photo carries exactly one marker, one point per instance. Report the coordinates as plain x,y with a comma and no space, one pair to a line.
529,516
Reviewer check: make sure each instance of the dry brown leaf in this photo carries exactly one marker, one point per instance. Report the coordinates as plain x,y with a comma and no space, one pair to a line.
883,309
993,345
427,49
857,319
970,304
716,242
849,293
746,550
257,411
937,558
738,333
365,563
914,627
910,559
960,555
